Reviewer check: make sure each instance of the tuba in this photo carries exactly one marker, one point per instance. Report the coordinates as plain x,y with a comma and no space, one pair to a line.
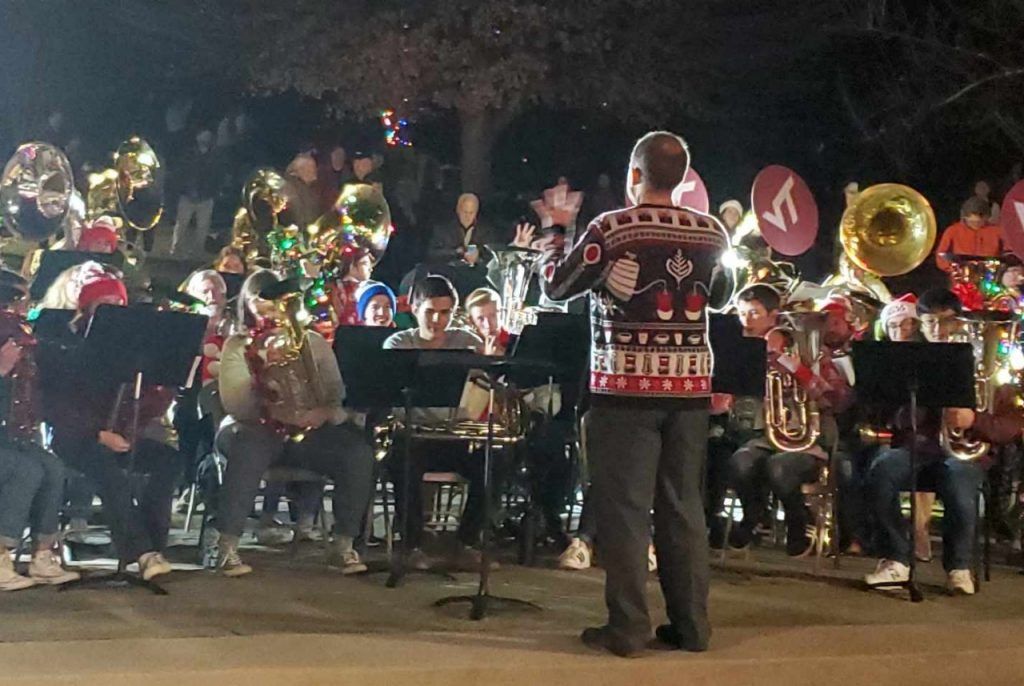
290,373
888,230
35,191
986,332
792,417
516,267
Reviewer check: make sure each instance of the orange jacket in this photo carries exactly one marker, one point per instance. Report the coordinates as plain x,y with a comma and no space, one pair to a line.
961,239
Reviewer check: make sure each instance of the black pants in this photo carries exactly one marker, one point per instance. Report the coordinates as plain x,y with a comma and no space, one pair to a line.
755,471
642,458
549,470
139,515
442,456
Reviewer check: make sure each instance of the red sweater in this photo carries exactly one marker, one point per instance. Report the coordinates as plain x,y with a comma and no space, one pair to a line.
961,239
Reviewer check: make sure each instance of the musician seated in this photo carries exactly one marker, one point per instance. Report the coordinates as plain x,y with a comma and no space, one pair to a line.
956,481
376,304
784,472
974,234
482,306
434,300
900,320
279,417
735,420
549,427
79,411
31,479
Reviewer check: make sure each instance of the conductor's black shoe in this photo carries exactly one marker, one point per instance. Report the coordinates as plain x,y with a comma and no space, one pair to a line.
669,636
602,638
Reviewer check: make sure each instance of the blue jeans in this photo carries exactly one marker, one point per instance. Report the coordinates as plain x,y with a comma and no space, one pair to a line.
955,482
31,490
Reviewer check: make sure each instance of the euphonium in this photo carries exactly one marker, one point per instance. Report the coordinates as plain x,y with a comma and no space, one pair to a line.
792,418
985,331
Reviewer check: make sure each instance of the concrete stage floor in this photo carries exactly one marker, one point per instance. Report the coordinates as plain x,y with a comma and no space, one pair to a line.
295,622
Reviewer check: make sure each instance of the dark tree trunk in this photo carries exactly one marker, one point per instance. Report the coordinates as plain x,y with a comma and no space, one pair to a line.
477,142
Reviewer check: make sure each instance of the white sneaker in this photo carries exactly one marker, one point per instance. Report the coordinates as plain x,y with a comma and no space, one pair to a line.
152,565
652,559
46,568
577,556
960,582
10,580
888,574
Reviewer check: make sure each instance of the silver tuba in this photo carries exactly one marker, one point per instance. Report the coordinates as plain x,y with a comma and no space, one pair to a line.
792,417
985,331
35,191
516,267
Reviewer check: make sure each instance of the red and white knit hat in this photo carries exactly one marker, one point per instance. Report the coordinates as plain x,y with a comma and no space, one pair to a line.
903,307
100,286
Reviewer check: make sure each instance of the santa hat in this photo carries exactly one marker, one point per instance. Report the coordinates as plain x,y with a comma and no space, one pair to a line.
99,233
99,287
903,307
839,304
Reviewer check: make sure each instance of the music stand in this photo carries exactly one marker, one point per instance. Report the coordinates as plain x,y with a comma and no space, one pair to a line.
55,262
140,345
741,361
895,374
53,325
561,340
494,368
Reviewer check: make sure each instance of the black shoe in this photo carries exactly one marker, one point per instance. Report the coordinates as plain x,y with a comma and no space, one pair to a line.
602,638
741,536
667,634
716,533
799,540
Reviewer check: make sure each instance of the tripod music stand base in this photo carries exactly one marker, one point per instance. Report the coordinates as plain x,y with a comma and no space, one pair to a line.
480,603
115,580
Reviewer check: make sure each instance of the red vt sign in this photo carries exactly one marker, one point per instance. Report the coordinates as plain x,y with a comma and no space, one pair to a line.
785,209
1011,219
692,192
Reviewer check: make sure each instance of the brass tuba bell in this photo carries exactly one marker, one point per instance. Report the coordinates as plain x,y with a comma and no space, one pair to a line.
888,230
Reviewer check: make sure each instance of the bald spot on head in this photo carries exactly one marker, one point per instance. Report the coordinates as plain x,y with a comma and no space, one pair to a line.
662,159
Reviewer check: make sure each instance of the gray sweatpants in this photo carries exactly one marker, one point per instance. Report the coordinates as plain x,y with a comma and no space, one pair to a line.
640,459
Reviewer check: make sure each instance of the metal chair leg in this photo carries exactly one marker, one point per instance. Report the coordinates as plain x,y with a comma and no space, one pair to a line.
192,490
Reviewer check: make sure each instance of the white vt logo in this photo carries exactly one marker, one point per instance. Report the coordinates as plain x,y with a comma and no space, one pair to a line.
687,186
1019,206
783,197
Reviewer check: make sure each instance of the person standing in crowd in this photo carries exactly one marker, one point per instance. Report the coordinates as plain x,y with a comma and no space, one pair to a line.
730,212
648,424
983,191
200,176
974,234
334,171
302,175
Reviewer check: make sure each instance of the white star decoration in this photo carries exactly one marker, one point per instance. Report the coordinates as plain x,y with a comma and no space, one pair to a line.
645,384
602,381
688,385
620,382
666,385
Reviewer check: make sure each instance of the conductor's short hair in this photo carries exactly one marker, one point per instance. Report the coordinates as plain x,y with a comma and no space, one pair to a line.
662,158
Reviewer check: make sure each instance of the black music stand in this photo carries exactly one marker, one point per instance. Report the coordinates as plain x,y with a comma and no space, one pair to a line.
741,362
561,340
895,374
495,369
140,345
